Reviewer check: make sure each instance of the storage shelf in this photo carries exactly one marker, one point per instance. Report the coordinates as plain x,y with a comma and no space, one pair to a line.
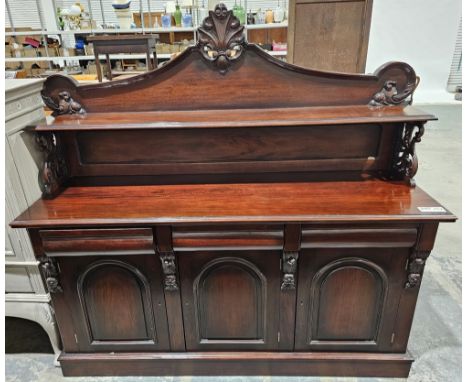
283,24
100,31
89,57
112,56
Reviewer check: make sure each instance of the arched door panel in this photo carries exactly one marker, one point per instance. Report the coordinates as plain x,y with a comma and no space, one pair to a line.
348,298
117,303
230,300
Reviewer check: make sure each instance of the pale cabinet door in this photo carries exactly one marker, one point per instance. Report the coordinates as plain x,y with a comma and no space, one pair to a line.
230,299
348,298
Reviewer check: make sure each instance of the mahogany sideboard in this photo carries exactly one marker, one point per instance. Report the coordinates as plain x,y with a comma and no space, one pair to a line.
232,214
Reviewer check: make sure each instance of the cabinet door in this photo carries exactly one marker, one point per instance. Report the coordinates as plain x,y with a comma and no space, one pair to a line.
348,298
230,299
116,302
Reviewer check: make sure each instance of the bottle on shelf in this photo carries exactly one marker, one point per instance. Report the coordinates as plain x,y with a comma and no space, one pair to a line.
202,13
250,18
235,9
187,19
241,13
278,14
269,17
178,15
260,17
166,19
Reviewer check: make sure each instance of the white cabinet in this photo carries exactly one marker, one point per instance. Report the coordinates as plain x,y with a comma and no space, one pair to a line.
26,296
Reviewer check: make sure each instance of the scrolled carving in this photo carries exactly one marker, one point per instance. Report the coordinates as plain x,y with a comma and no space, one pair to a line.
169,270
65,105
416,266
405,162
289,266
50,271
389,95
54,171
221,38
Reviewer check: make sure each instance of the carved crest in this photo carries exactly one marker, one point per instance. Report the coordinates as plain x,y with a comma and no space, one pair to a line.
221,38
65,105
389,94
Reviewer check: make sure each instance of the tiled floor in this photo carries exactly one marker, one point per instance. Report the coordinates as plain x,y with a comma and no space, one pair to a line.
436,335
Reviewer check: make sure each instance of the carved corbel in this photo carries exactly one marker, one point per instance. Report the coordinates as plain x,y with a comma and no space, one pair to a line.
169,270
65,104
416,264
289,267
51,275
405,162
54,171
221,38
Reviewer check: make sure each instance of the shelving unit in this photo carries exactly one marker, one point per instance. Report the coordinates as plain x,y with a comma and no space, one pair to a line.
99,11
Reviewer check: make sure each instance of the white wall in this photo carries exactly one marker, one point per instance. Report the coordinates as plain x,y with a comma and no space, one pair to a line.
421,33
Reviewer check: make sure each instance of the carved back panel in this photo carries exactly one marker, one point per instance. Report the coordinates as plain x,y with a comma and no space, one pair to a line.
223,71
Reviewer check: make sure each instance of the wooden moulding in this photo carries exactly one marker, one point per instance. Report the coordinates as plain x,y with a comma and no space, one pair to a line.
237,363
223,71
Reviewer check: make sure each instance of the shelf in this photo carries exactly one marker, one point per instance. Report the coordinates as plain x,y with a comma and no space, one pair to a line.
283,24
266,203
225,118
277,52
101,31
112,56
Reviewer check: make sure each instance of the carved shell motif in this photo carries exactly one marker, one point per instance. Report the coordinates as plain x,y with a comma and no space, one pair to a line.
221,38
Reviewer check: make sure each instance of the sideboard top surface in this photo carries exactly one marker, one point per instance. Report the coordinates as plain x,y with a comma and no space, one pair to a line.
372,200
235,117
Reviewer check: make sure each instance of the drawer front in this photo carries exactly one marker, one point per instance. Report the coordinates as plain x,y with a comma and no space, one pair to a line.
232,237
126,241
359,237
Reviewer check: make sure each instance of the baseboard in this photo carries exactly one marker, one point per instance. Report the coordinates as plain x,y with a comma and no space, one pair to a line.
237,363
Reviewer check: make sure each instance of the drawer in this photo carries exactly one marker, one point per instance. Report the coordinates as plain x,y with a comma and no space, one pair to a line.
384,237
230,237
121,241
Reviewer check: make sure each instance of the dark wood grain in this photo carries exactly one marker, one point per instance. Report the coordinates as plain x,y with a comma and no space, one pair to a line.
351,301
252,117
263,81
163,235
230,299
241,363
231,203
234,203
97,241
117,304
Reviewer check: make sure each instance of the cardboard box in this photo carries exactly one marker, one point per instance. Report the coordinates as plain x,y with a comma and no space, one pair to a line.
10,74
